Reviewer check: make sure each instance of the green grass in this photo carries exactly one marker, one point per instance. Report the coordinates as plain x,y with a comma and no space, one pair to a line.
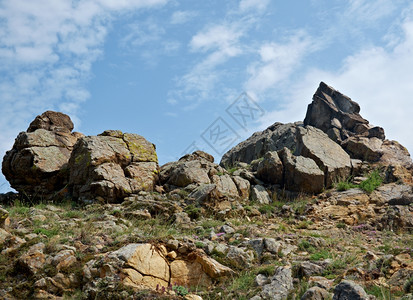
304,224
267,209
345,185
193,211
243,282
319,255
18,208
232,170
304,245
372,182
72,214
47,232
382,293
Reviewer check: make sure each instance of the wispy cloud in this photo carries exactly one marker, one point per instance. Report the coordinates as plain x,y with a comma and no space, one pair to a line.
216,44
369,12
278,61
181,17
142,33
246,5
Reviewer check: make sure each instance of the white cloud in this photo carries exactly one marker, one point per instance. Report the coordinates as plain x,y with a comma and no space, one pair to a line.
277,62
246,5
181,17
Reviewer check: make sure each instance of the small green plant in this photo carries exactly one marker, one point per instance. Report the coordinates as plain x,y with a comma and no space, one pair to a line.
266,270
380,292
210,223
116,212
304,245
180,290
373,181
243,282
304,224
267,209
408,285
341,225
184,194
193,211
199,244
232,170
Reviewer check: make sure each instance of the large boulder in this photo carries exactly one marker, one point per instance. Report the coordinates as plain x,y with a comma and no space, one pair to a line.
367,149
281,284
301,173
192,168
270,169
112,166
329,156
37,165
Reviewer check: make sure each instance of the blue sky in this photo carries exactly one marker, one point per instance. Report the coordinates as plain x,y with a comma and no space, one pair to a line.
174,71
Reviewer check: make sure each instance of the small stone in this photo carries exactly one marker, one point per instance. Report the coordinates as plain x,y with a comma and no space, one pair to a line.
193,297
172,244
347,290
272,246
321,282
171,255
316,293
221,249
40,218
4,218
227,229
261,280
260,195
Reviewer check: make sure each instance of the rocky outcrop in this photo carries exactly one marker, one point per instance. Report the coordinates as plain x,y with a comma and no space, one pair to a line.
274,138
112,166
339,117
334,135
316,161
387,208
37,165
209,184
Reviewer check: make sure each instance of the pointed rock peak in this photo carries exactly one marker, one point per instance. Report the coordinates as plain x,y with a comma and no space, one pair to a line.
337,99
338,116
